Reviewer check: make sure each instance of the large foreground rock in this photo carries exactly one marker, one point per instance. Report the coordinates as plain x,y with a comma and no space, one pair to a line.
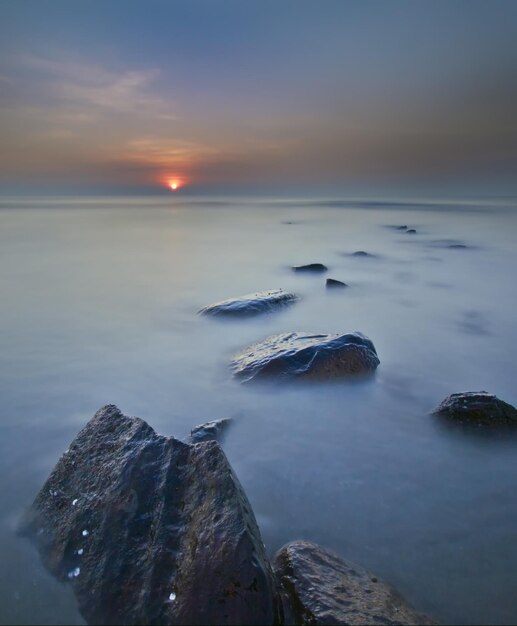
251,303
320,588
304,355
151,530
478,407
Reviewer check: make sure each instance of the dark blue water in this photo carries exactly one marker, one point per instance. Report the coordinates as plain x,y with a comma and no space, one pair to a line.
99,302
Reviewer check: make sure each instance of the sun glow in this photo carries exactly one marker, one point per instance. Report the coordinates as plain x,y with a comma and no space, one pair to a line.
172,182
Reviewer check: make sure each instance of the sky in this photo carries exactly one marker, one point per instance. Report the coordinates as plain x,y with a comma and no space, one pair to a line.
265,96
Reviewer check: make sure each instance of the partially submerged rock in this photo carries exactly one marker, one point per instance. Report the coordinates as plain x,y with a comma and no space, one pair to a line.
251,303
332,283
411,231
210,431
450,244
397,226
151,530
478,407
311,267
307,355
363,254
318,587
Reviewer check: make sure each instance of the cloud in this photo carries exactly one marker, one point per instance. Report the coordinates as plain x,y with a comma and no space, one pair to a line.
86,85
58,116
164,153
78,120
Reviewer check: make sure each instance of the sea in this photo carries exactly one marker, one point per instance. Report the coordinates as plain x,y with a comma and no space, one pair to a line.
99,302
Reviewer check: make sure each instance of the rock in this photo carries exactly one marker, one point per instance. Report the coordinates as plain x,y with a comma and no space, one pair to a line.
362,253
478,407
210,431
404,227
318,587
150,530
312,267
411,231
450,244
332,283
250,304
309,356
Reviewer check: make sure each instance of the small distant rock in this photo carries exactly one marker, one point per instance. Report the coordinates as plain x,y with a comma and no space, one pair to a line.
451,244
362,253
311,267
305,355
411,231
210,431
404,227
319,588
332,283
478,407
250,304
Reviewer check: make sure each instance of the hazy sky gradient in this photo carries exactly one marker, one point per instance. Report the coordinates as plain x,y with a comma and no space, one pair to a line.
265,96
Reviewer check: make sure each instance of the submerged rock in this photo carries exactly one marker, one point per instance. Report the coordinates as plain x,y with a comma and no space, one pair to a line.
150,530
318,587
304,355
210,431
251,303
311,267
478,407
411,231
451,244
332,283
362,253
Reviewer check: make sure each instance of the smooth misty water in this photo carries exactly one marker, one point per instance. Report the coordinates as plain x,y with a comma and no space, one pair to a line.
99,306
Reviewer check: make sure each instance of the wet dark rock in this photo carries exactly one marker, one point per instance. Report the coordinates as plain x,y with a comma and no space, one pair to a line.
478,407
411,231
332,283
305,355
150,530
311,267
210,431
250,304
318,587
404,227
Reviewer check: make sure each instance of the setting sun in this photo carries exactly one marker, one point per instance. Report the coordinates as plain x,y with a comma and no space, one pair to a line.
173,183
